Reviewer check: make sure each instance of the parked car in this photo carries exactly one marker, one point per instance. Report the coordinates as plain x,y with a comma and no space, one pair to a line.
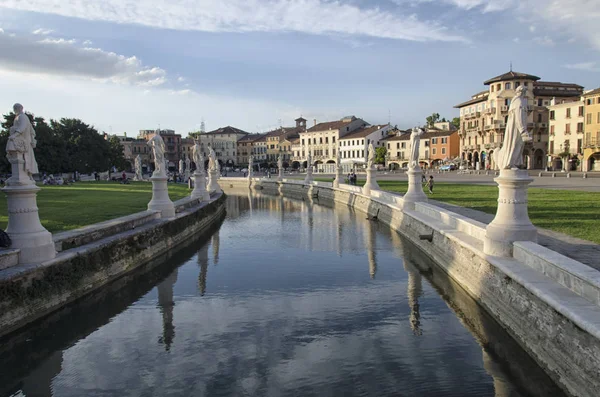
448,167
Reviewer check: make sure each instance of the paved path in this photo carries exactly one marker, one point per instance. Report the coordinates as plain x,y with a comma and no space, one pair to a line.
584,251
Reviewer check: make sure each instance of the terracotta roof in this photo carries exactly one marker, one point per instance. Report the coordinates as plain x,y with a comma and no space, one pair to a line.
592,92
249,138
473,101
403,137
556,84
363,132
438,133
511,76
227,130
330,125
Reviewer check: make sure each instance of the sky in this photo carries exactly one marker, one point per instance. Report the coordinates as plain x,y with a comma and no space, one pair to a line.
126,65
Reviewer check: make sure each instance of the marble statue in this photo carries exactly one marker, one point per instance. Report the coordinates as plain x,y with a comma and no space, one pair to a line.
280,162
415,139
21,142
250,164
510,156
138,168
309,160
180,167
158,149
187,165
371,157
212,160
198,156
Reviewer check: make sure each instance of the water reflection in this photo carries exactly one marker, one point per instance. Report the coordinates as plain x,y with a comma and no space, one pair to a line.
290,310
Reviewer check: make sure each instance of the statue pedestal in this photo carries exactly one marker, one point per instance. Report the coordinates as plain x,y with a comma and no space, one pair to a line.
371,183
415,193
309,177
200,187
338,177
512,221
160,197
213,186
24,228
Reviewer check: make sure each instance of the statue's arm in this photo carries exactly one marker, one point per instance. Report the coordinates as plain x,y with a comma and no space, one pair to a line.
20,124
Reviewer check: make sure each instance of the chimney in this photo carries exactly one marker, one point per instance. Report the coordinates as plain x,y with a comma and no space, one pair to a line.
315,120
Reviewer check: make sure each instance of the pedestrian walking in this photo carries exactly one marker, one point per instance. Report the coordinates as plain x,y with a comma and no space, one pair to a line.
430,184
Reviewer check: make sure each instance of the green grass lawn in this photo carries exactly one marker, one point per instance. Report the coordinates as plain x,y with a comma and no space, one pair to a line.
575,213
69,207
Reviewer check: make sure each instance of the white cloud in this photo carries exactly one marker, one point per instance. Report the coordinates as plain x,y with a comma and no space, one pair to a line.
42,32
532,28
61,57
181,79
545,41
87,42
584,66
305,16
1,30
516,40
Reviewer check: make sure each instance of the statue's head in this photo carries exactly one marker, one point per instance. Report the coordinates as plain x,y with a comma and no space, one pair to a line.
17,108
521,90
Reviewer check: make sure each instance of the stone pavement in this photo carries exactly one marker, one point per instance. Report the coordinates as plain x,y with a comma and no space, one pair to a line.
584,251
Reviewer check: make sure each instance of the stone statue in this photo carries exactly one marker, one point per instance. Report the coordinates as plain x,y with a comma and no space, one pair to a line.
180,167
198,157
212,160
280,162
21,143
309,160
415,139
511,154
158,149
371,157
250,164
138,168
187,165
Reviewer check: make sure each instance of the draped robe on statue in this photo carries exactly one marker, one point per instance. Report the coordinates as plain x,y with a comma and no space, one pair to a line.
511,154
22,140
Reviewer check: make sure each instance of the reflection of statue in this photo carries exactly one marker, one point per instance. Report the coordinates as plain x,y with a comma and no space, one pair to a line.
21,141
280,162
138,168
415,138
212,160
371,157
158,149
198,157
511,153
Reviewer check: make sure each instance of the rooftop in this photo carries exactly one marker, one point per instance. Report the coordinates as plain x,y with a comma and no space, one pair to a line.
511,76
363,132
475,99
592,92
226,130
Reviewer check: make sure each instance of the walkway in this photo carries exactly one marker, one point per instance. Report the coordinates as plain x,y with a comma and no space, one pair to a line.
584,251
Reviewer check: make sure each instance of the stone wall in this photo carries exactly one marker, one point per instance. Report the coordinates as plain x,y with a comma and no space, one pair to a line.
28,292
558,327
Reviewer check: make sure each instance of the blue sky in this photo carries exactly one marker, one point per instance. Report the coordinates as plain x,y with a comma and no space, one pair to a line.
125,65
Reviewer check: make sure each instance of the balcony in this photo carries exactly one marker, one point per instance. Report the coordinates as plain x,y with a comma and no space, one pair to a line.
541,125
504,109
490,111
493,145
592,143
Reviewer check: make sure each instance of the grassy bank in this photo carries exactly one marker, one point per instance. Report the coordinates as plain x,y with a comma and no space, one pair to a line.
69,207
566,211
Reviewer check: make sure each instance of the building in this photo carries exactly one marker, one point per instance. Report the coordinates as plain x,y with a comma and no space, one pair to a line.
223,141
565,145
321,141
259,151
483,117
437,146
354,147
244,149
133,147
444,145
172,146
279,142
591,142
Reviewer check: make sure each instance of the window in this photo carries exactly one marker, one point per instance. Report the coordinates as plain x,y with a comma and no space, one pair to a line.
552,146
539,117
589,101
517,84
443,150
326,140
507,86
580,114
507,102
588,118
540,102
492,87
363,153
433,151
444,140
498,87
580,146
579,127
568,113
333,140
567,128
552,115
598,121
403,145
433,141
397,145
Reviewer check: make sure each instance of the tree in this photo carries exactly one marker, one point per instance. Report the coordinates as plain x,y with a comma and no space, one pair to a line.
456,122
431,120
116,154
380,154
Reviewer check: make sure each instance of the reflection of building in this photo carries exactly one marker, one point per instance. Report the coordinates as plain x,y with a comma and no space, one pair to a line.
591,153
166,303
483,117
354,147
565,144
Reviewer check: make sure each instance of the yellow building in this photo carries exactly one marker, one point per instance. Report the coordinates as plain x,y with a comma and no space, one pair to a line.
591,143
565,145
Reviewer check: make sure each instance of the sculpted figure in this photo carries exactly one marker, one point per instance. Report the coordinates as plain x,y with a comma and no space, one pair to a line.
371,157
158,149
198,156
511,154
280,162
309,160
180,166
212,160
138,168
21,141
187,165
415,139
250,164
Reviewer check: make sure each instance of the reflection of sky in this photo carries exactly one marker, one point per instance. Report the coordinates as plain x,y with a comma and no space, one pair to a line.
283,313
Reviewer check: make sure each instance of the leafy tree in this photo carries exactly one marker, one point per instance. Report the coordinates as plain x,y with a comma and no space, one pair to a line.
116,154
456,122
380,153
431,120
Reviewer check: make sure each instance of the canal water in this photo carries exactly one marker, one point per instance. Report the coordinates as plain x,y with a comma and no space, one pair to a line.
283,298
